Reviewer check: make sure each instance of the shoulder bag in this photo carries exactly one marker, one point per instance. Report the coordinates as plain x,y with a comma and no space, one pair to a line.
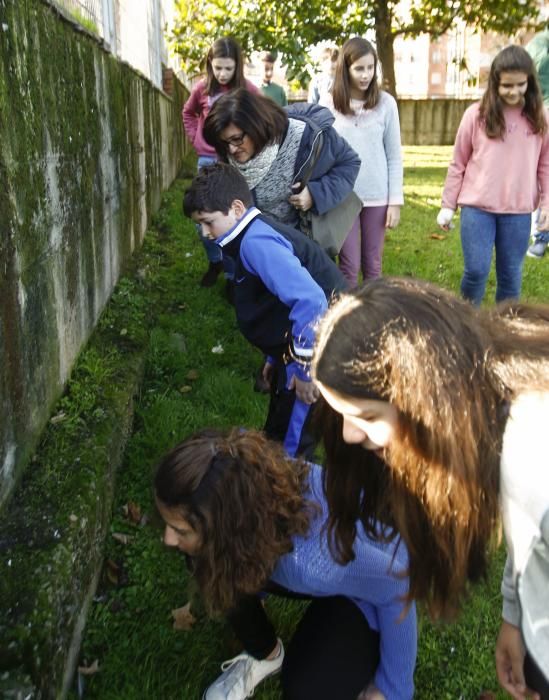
329,230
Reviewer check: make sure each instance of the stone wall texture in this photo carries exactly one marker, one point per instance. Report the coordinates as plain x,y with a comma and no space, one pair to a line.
87,146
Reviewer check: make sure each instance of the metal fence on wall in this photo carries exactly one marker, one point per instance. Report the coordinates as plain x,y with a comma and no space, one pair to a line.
89,13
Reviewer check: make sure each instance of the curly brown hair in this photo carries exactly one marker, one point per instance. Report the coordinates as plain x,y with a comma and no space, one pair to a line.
244,497
451,371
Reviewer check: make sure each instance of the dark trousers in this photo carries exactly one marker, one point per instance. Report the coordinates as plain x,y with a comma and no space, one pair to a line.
288,420
333,654
535,679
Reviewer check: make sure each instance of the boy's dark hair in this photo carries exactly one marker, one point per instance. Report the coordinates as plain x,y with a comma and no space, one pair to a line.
215,188
268,57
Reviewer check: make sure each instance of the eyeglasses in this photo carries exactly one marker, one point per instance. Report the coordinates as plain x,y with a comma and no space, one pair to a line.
234,140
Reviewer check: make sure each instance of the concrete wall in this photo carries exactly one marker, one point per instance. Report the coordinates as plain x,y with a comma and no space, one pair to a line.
87,147
430,122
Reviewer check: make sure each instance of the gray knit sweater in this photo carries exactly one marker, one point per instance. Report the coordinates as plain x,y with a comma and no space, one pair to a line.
375,136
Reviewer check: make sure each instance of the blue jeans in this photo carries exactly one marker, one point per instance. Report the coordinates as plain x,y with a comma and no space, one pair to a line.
213,251
481,231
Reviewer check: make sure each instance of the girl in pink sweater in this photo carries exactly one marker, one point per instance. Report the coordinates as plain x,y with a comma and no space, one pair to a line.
224,72
499,175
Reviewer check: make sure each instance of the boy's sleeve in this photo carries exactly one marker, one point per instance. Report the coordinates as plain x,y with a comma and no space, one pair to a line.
271,257
463,149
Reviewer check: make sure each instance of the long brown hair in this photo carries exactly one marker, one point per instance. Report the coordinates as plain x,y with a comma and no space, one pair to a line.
450,370
244,497
257,116
353,50
225,47
511,59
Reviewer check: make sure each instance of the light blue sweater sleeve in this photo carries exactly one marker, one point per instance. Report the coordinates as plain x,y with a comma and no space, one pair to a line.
372,581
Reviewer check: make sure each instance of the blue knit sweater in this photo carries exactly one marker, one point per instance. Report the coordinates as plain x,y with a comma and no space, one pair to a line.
371,581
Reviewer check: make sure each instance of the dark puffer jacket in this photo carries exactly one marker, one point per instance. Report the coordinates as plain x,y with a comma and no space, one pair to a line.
337,167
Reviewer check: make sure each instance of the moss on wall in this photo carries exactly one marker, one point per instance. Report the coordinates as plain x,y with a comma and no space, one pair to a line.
81,173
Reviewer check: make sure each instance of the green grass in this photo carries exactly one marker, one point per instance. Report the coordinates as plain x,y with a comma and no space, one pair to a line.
129,630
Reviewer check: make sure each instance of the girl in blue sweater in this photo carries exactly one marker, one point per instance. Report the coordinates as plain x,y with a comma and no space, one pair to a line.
252,520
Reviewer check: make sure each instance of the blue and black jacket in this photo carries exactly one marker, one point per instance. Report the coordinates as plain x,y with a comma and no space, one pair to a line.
283,281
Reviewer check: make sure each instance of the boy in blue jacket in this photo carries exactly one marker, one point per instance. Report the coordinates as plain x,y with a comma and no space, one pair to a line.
283,281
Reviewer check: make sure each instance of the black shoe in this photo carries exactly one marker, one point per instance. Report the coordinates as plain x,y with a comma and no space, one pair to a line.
212,273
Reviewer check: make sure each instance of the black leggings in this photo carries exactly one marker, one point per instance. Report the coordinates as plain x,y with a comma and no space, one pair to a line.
333,654
535,679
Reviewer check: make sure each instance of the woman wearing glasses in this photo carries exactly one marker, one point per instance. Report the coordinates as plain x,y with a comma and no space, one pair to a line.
272,148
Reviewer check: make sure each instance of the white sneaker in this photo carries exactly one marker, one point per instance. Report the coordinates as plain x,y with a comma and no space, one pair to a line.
241,675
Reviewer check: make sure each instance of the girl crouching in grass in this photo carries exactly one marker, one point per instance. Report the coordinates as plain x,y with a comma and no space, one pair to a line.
253,520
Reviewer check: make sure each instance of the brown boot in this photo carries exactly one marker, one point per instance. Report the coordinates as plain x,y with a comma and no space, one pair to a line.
211,274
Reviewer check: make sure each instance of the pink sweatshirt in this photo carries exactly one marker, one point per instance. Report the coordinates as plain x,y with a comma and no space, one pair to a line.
195,111
504,177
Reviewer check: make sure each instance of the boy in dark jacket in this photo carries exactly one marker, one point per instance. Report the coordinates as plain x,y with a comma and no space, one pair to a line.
283,281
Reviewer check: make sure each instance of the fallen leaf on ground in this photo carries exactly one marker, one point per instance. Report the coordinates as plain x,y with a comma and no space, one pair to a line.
438,237
122,537
58,418
183,619
217,349
89,670
134,512
192,374
185,389
115,573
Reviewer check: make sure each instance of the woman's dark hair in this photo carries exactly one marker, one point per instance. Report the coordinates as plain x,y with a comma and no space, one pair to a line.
226,47
352,51
259,117
244,497
512,59
450,370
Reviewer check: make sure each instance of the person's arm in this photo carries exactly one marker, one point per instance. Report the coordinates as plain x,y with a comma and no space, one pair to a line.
335,174
191,112
524,492
314,95
373,579
393,154
463,148
543,182
510,650
270,256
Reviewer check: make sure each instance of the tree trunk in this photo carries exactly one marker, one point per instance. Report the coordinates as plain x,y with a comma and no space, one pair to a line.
385,41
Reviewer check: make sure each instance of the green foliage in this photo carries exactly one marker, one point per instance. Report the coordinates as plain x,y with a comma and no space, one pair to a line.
129,630
293,28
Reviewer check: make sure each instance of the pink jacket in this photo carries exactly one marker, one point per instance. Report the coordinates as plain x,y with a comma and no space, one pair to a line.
195,111
509,176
